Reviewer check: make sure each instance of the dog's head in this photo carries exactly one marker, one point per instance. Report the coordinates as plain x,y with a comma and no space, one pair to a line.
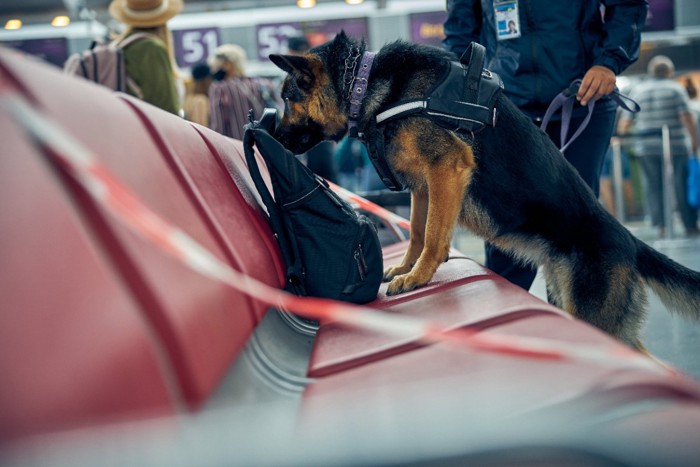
314,107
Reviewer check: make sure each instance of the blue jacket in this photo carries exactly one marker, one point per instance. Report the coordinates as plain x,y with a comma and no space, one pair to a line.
560,40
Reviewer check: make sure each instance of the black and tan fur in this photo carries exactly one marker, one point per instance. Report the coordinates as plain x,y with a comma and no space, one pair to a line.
508,184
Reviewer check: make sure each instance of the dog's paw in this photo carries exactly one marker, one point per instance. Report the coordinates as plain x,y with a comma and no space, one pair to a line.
393,271
403,283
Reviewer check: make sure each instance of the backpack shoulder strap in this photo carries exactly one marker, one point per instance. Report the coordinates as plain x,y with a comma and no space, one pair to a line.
122,44
126,41
288,246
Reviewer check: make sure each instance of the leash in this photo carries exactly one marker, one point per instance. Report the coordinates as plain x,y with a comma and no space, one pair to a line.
110,193
565,101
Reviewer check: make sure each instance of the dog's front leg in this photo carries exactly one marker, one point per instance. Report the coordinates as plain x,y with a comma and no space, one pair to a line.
419,214
445,197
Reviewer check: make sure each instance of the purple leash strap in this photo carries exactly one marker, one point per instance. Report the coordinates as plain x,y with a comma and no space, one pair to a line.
565,101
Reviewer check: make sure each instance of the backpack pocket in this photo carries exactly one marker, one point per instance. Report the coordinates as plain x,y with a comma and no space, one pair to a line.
366,269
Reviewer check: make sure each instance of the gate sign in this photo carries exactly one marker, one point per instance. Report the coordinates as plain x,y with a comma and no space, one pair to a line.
272,38
660,16
427,28
193,46
53,50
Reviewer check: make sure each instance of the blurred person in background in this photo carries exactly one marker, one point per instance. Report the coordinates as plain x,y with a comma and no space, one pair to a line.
663,102
150,62
607,182
552,44
694,103
197,106
233,93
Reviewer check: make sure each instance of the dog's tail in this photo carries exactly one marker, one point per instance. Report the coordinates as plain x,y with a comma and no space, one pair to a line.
677,286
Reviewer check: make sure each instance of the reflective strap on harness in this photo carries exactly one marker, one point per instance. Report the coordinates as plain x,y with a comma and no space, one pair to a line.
401,110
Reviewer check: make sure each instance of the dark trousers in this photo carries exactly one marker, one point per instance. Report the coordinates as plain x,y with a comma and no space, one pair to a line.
586,154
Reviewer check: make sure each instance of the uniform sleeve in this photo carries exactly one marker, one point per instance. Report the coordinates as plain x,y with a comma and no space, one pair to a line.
151,69
622,36
463,25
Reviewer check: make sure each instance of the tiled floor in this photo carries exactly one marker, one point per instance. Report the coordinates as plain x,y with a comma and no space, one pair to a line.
670,338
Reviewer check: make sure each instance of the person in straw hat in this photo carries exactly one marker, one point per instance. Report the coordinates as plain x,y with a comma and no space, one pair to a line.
150,61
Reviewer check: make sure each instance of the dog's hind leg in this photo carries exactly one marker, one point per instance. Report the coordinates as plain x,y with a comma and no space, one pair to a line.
609,296
419,215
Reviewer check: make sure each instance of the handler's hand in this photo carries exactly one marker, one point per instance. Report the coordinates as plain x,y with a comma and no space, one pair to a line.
599,81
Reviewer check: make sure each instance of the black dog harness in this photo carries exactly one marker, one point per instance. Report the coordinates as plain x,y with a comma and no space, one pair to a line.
462,101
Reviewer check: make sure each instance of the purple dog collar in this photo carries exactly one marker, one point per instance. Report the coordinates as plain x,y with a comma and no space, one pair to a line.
358,88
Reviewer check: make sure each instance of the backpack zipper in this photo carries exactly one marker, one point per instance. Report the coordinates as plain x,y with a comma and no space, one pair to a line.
360,260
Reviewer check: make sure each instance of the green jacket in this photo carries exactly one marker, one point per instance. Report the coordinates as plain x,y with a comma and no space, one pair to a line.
148,64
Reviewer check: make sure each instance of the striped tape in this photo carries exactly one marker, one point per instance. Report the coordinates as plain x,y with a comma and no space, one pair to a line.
371,207
116,197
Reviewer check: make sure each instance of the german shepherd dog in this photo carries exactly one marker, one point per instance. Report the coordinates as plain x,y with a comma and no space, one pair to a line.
507,183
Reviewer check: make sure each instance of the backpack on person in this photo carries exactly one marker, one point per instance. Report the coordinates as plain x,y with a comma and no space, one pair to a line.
104,64
329,250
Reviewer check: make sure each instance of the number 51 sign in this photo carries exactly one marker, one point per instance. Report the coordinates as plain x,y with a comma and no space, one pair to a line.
194,46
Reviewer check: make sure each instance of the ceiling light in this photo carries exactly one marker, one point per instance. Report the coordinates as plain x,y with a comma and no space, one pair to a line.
354,2
60,21
306,3
13,24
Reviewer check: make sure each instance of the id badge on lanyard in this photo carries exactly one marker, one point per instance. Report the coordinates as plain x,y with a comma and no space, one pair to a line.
507,19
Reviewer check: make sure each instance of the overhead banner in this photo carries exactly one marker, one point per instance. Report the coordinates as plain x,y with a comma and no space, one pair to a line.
272,38
660,16
53,49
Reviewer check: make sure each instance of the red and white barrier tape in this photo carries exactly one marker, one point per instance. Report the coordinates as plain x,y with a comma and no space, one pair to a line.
113,195
371,207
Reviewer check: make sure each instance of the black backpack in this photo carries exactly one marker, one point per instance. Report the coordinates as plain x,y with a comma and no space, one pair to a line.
329,250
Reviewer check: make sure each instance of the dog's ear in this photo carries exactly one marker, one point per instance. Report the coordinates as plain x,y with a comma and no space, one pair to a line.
297,66
291,63
341,36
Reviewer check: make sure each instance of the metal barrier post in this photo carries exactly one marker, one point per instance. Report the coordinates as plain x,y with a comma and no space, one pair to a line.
618,179
667,182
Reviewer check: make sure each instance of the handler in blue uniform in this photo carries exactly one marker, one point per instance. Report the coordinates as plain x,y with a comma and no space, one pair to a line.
539,47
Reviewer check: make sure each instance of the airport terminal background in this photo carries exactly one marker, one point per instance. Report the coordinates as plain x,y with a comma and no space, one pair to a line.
262,27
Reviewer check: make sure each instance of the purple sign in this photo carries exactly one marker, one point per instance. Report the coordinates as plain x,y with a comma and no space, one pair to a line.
272,38
660,16
428,28
53,50
193,46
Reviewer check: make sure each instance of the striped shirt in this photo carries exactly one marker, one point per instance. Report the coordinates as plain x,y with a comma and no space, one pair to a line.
662,102
230,101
